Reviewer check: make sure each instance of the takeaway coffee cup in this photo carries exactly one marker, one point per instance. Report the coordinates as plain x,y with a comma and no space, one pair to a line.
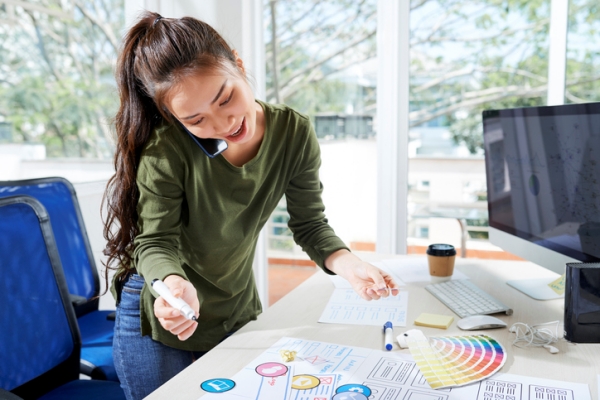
440,258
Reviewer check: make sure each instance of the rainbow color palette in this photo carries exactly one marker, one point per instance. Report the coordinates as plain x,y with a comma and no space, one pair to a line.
448,361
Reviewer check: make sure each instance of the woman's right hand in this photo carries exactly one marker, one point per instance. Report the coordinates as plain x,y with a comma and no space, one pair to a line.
170,318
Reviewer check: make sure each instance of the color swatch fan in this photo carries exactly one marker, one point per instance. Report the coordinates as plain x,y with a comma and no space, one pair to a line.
448,361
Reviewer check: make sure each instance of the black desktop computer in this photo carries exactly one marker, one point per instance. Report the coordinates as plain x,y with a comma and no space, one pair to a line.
543,183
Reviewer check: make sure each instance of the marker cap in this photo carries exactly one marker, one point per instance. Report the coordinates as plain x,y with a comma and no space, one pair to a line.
387,330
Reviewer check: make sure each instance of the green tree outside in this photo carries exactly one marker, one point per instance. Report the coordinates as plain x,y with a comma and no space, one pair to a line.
57,82
57,79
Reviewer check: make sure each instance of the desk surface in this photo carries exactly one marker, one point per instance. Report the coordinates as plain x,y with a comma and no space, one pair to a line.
296,315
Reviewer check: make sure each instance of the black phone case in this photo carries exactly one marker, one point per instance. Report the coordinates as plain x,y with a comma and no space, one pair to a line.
210,147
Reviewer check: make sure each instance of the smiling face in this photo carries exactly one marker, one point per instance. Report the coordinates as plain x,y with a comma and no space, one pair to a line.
219,105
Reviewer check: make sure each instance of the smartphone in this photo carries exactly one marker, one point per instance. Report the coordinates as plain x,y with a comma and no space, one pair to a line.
210,147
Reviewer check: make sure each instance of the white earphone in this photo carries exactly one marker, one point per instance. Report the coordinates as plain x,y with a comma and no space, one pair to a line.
534,336
551,349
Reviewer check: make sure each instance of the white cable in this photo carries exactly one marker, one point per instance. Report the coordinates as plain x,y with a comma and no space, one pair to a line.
535,335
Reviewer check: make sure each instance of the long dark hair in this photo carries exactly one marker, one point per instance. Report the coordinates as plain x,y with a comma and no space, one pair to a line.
155,55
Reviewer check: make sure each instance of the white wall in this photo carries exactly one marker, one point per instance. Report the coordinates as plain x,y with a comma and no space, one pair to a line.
349,176
89,195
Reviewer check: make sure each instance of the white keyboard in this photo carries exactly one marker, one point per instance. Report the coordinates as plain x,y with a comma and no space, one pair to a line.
465,298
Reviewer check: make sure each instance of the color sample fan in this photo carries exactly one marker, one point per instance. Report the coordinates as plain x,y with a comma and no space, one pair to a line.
456,360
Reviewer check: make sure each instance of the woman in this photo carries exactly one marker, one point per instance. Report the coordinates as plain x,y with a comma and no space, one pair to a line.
191,220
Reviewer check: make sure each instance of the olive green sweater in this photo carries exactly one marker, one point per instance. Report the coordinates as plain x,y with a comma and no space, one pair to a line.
200,218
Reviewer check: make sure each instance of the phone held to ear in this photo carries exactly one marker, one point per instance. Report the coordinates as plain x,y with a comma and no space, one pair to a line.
210,147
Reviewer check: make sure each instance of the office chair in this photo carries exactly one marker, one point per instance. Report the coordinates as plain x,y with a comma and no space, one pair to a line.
39,337
58,197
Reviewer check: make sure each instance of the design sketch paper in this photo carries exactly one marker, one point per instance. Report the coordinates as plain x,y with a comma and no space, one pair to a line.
518,387
414,269
387,375
341,283
345,306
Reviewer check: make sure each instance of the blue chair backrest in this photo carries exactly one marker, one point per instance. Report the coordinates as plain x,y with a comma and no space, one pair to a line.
58,196
38,329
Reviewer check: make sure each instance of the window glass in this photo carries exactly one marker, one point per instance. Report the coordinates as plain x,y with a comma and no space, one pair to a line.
465,57
57,88
320,60
583,52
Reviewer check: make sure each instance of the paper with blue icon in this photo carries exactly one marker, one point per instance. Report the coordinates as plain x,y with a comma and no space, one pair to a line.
321,371
328,371
318,371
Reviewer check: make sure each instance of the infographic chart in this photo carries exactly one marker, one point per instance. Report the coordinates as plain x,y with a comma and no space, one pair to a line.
329,371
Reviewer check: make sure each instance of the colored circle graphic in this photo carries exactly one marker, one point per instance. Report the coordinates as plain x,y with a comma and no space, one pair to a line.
354,388
349,396
271,369
534,185
305,382
218,385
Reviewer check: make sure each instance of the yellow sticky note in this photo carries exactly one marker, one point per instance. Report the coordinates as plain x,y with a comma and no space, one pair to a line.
558,285
434,320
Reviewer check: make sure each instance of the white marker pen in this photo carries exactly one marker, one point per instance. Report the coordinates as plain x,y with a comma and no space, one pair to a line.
173,301
388,331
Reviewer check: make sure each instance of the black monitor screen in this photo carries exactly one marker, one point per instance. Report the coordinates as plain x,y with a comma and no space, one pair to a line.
543,176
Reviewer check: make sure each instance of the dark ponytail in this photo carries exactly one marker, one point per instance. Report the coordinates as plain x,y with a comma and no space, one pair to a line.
156,54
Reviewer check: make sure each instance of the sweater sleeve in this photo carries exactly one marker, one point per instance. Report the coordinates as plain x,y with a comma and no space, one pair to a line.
308,222
159,181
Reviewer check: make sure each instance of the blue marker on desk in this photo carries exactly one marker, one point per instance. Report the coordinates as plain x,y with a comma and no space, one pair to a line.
388,331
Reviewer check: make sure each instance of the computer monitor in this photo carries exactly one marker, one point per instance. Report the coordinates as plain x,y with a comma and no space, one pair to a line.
543,183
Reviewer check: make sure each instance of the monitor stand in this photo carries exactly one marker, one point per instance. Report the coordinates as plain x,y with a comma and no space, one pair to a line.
537,289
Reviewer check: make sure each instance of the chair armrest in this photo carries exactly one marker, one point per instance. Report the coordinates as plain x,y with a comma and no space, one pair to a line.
82,305
77,300
6,395
89,369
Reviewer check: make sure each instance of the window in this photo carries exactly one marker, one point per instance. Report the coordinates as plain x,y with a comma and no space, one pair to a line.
57,85
583,52
465,57
422,232
320,59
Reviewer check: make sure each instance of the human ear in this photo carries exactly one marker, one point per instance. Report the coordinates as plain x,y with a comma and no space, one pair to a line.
239,62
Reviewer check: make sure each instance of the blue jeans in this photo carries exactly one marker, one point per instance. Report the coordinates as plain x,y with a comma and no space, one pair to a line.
142,363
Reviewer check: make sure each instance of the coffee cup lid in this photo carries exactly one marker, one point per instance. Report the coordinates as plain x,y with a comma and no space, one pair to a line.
440,249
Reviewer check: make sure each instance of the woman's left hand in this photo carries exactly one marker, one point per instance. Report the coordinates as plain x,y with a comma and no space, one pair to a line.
370,282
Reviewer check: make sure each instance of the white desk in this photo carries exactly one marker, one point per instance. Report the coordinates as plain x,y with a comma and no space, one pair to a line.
296,315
